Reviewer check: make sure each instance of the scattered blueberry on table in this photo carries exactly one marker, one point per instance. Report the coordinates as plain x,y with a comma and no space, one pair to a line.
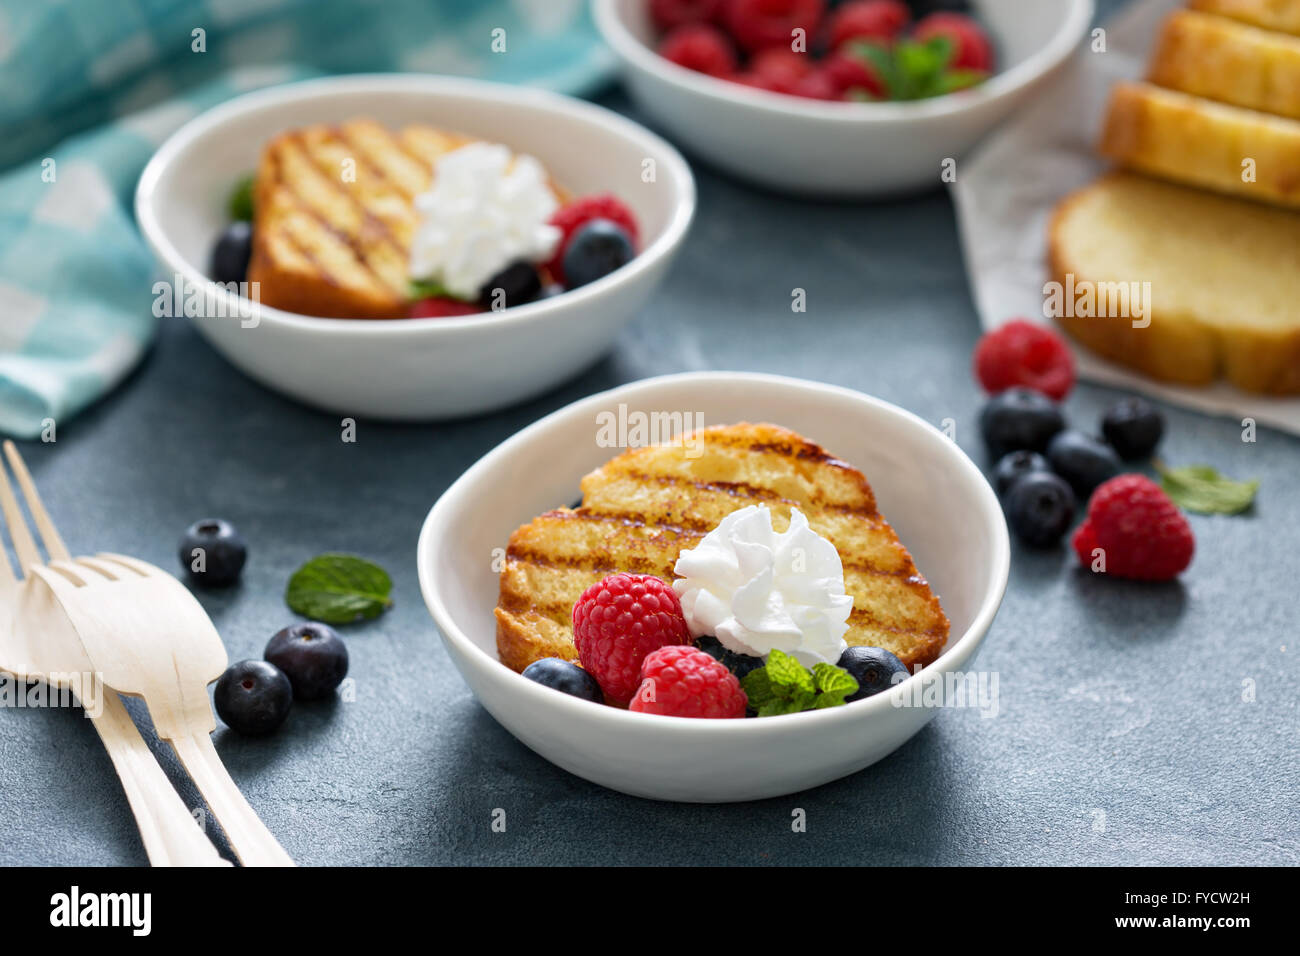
213,552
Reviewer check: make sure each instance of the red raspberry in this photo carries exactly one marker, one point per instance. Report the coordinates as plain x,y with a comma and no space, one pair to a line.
440,307
617,622
780,65
671,14
1142,533
686,682
572,217
879,20
847,73
700,47
1021,352
817,86
971,49
758,24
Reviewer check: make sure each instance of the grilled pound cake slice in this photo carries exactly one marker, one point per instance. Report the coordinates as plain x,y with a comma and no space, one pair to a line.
1281,15
1228,61
649,504
1224,274
335,216
1192,140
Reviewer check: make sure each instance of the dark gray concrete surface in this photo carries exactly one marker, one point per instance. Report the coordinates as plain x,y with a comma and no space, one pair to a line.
1125,735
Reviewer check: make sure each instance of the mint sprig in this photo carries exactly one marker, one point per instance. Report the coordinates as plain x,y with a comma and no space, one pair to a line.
240,203
916,69
1202,489
784,686
339,588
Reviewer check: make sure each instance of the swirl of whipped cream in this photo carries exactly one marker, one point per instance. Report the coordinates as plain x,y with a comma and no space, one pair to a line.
756,590
486,209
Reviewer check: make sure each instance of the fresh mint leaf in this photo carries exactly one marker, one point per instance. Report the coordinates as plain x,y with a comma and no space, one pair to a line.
833,683
787,674
1202,489
240,204
784,686
757,686
427,289
339,588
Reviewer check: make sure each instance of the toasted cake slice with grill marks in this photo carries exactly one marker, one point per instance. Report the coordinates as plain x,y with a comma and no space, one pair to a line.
647,505
336,215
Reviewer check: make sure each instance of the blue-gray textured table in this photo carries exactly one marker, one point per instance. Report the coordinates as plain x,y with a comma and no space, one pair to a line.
1137,723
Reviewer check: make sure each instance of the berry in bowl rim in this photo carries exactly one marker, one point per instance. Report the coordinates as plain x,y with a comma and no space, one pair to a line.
611,23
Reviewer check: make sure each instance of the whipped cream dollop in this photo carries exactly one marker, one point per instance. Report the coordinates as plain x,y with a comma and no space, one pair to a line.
756,590
486,209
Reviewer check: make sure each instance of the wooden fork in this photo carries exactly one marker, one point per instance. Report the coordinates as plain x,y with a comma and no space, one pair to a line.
148,636
37,641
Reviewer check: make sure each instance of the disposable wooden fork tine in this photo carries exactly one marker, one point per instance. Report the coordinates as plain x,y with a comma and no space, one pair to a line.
54,545
50,646
148,636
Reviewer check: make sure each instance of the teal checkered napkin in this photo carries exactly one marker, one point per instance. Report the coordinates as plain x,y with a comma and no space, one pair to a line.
88,90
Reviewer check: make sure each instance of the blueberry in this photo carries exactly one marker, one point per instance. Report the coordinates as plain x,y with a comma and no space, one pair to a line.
1083,461
516,284
596,250
1019,419
1012,466
230,254
253,697
738,664
312,656
873,668
213,552
1040,507
565,676
1133,427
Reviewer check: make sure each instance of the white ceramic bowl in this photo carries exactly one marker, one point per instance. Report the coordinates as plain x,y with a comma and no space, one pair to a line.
841,149
936,498
418,368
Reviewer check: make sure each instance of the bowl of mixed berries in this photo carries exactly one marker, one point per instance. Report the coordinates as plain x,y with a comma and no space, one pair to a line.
856,98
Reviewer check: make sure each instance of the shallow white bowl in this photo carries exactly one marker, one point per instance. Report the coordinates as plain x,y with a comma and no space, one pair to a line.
418,368
934,496
841,149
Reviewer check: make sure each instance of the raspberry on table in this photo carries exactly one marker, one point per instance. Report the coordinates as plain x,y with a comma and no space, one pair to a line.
620,620
572,216
1140,531
972,49
1021,352
684,681
880,21
758,24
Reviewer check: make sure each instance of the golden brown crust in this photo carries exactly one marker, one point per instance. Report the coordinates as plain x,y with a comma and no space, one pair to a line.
1191,140
1184,345
1228,61
642,508
1281,15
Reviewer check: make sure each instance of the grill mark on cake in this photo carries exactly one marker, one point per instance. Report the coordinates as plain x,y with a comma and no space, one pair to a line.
561,612
362,156
297,203
353,242
743,489
692,529
336,185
